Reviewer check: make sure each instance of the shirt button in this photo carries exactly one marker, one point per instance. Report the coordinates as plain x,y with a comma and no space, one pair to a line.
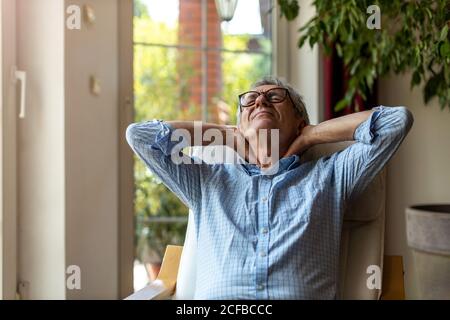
264,199
262,254
264,230
260,287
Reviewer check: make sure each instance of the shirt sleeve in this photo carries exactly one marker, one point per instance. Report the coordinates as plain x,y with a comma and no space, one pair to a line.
152,142
377,139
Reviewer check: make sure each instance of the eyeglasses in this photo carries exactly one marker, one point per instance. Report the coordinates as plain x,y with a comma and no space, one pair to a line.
274,95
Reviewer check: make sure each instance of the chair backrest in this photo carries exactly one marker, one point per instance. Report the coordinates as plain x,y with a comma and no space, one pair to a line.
362,241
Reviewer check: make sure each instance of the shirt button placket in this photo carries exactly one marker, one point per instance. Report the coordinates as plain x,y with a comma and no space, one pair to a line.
263,243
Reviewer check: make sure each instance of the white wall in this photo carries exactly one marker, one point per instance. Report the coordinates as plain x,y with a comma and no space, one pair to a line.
419,172
69,151
92,133
300,67
41,192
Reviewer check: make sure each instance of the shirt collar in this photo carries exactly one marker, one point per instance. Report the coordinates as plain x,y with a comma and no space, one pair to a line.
284,164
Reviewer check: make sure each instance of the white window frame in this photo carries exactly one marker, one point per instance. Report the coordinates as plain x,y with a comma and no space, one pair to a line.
126,161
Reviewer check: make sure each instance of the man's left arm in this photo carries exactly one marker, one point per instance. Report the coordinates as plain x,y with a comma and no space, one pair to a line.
378,134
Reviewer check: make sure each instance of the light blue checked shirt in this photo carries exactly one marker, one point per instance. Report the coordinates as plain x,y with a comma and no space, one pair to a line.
272,236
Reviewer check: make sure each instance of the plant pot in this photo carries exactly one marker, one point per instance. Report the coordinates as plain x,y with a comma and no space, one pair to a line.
428,234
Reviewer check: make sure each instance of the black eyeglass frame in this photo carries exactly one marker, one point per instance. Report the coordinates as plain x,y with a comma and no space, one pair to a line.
265,96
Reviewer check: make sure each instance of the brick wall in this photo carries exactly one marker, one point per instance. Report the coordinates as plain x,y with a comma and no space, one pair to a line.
189,64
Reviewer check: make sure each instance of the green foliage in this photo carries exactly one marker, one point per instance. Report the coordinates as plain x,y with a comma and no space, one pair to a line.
154,200
140,10
289,8
413,37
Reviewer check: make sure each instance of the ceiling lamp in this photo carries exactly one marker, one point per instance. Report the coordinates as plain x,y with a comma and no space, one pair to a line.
226,9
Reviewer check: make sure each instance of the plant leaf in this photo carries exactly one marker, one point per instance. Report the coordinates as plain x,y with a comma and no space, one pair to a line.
444,49
444,33
289,9
415,79
341,105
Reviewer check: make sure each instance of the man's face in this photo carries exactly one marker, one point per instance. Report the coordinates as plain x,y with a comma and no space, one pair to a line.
264,114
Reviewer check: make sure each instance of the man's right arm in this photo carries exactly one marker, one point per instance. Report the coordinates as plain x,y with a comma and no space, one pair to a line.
152,142
159,145
197,133
203,134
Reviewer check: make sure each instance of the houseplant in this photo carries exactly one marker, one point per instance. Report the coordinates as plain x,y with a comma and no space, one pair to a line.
414,36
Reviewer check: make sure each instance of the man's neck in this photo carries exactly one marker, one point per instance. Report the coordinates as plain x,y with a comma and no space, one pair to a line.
266,152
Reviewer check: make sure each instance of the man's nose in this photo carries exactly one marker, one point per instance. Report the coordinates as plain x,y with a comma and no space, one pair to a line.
261,101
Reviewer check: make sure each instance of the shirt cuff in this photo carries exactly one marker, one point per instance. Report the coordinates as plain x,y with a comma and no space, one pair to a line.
366,131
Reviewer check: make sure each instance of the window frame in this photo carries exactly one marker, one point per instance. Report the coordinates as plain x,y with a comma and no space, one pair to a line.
126,161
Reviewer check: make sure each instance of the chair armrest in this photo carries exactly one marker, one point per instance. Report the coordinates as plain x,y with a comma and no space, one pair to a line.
393,287
164,285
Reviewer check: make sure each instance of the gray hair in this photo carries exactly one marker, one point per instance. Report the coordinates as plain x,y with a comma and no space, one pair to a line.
297,99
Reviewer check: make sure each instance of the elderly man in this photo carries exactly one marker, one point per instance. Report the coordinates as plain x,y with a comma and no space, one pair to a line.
273,236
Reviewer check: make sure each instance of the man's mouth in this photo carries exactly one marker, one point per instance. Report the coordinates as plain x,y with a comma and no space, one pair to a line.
262,113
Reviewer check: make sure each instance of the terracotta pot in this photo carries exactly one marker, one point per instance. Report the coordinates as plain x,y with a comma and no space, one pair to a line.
428,234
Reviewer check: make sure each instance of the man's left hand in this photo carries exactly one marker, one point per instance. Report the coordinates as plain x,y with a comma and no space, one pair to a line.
302,143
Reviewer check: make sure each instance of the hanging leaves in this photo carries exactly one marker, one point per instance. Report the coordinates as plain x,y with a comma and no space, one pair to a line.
414,37
289,9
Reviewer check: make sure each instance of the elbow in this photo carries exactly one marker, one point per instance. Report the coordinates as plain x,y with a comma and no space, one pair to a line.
143,133
131,133
405,118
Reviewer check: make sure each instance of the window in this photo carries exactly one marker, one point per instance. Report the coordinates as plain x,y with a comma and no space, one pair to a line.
188,65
